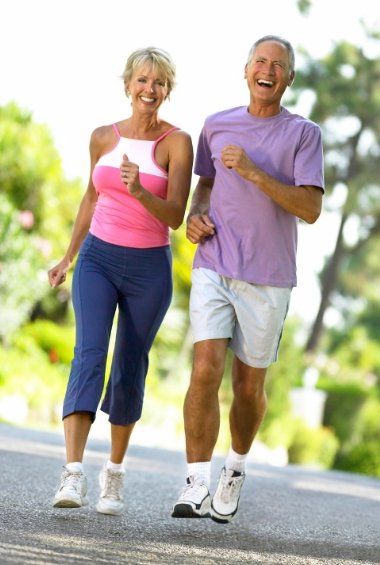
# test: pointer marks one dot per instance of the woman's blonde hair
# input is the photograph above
(159, 59)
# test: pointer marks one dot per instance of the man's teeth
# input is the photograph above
(265, 82)
(147, 99)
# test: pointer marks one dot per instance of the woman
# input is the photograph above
(138, 189)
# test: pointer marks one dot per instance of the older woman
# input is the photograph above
(138, 189)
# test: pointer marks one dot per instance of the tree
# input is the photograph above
(37, 210)
(346, 86)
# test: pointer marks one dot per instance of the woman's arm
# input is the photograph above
(172, 210)
(57, 274)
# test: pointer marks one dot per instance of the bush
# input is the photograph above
(361, 453)
(316, 448)
(342, 408)
(56, 341)
(28, 373)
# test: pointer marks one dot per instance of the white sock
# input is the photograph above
(76, 466)
(114, 466)
(236, 462)
(203, 469)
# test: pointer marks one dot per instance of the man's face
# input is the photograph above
(268, 74)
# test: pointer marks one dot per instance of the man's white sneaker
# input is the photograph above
(226, 499)
(194, 500)
(111, 499)
(72, 491)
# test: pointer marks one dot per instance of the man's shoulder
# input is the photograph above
(223, 115)
(299, 120)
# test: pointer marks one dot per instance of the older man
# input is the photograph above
(260, 168)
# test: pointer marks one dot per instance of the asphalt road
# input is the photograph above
(288, 515)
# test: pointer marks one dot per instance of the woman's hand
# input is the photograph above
(130, 176)
(57, 275)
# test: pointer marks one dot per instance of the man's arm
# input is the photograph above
(303, 201)
(199, 224)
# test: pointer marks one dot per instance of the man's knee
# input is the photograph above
(208, 363)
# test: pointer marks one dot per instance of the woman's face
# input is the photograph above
(148, 90)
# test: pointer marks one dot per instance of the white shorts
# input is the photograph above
(252, 316)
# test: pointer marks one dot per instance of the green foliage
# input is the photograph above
(316, 448)
(25, 370)
(183, 254)
(37, 210)
(342, 408)
(57, 341)
(360, 452)
(282, 376)
(304, 6)
(22, 278)
(346, 89)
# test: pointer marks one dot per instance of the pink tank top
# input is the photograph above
(119, 218)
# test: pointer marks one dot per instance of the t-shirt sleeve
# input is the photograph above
(308, 164)
(204, 165)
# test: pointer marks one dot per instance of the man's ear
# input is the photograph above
(245, 70)
(291, 78)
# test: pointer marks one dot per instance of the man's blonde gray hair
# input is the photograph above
(160, 61)
(288, 46)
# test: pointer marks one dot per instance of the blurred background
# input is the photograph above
(59, 79)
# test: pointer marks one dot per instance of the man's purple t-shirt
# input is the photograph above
(256, 239)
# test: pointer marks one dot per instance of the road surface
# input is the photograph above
(289, 515)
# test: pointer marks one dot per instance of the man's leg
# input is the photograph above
(202, 420)
(248, 406)
(246, 414)
(201, 410)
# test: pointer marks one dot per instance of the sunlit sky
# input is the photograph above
(63, 60)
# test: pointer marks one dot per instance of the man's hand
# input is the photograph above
(198, 227)
(130, 176)
(234, 157)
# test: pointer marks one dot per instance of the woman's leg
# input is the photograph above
(77, 427)
(147, 293)
(120, 436)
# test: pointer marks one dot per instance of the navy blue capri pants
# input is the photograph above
(139, 283)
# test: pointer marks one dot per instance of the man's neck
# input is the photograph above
(262, 111)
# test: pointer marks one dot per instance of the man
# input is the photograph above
(260, 168)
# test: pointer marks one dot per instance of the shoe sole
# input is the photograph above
(109, 511)
(220, 518)
(68, 503)
(187, 511)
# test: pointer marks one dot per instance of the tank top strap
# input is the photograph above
(117, 131)
(163, 135)
(155, 145)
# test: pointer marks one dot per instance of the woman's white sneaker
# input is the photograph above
(226, 499)
(194, 500)
(111, 500)
(72, 490)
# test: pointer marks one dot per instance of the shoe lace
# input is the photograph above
(229, 487)
(193, 488)
(70, 479)
(113, 485)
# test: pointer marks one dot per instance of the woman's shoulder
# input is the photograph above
(103, 133)
(176, 135)
(102, 139)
